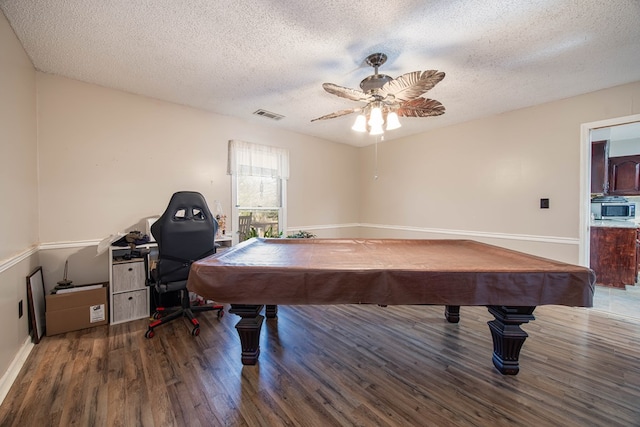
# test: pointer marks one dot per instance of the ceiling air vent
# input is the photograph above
(268, 114)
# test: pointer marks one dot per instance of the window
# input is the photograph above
(259, 176)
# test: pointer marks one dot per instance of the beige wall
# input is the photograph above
(18, 192)
(484, 179)
(110, 159)
(18, 163)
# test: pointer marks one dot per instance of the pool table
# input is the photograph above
(453, 273)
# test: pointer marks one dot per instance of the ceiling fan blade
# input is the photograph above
(411, 85)
(337, 114)
(345, 92)
(420, 107)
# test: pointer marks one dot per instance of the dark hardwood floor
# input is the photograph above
(336, 365)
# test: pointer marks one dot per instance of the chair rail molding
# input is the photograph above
(68, 244)
(479, 234)
(7, 263)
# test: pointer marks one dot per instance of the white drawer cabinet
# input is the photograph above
(129, 295)
(130, 305)
(128, 275)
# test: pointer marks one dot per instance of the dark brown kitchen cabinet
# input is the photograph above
(637, 252)
(614, 255)
(600, 167)
(624, 175)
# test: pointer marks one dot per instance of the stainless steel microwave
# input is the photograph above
(613, 210)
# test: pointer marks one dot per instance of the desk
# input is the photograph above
(452, 273)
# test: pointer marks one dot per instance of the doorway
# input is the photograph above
(613, 300)
(586, 130)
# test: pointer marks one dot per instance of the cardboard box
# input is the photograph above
(79, 309)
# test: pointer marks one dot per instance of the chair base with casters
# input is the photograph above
(185, 233)
(164, 315)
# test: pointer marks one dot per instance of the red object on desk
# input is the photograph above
(452, 273)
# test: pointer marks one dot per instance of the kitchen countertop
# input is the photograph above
(615, 223)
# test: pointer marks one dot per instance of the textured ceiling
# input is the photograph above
(235, 57)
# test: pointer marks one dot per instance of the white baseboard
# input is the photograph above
(14, 369)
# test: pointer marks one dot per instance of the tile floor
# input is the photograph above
(618, 301)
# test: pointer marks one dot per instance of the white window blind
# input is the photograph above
(249, 159)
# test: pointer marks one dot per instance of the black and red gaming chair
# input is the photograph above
(185, 233)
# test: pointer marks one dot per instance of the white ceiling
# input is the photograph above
(235, 57)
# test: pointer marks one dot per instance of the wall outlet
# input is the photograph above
(544, 203)
(20, 309)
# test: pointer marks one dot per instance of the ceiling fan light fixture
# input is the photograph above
(375, 118)
(387, 98)
(361, 123)
(392, 121)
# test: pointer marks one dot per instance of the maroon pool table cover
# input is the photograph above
(387, 272)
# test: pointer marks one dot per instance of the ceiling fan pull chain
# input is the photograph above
(375, 169)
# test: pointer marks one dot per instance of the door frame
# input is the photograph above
(585, 179)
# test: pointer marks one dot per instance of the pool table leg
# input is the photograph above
(271, 311)
(507, 336)
(248, 329)
(452, 313)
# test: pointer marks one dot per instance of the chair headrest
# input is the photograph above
(185, 232)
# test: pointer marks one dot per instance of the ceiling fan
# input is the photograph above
(388, 98)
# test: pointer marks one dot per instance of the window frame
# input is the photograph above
(236, 208)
